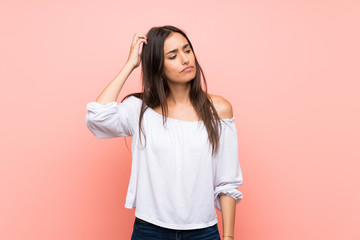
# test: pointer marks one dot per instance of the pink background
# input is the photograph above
(289, 68)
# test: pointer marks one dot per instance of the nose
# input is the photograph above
(184, 58)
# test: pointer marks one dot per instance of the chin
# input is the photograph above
(183, 79)
(192, 76)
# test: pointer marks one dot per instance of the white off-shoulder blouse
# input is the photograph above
(175, 182)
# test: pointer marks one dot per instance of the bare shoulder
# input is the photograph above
(222, 106)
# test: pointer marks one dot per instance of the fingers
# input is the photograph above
(138, 36)
(140, 47)
(141, 44)
(141, 40)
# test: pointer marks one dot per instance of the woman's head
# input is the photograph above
(178, 56)
(167, 53)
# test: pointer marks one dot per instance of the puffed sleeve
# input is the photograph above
(113, 119)
(228, 175)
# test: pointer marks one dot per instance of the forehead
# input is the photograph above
(175, 40)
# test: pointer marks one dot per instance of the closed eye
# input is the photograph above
(173, 57)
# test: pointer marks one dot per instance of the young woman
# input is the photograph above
(184, 141)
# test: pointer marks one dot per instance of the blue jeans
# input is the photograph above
(147, 231)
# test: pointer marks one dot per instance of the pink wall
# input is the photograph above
(289, 68)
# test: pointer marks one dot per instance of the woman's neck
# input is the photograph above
(179, 95)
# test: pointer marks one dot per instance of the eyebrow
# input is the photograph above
(175, 50)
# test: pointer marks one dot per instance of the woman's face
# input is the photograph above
(177, 57)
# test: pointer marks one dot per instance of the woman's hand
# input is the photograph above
(136, 49)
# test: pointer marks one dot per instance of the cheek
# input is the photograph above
(169, 68)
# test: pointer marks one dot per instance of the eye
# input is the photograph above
(173, 57)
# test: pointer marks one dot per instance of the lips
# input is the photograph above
(187, 69)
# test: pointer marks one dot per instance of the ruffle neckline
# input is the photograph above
(228, 120)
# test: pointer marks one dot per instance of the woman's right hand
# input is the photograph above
(136, 49)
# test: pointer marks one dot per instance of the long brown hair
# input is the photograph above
(155, 88)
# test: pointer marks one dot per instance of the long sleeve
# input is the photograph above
(228, 175)
(113, 119)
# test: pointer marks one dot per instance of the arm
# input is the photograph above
(112, 90)
(229, 176)
(228, 211)
(106, 118)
